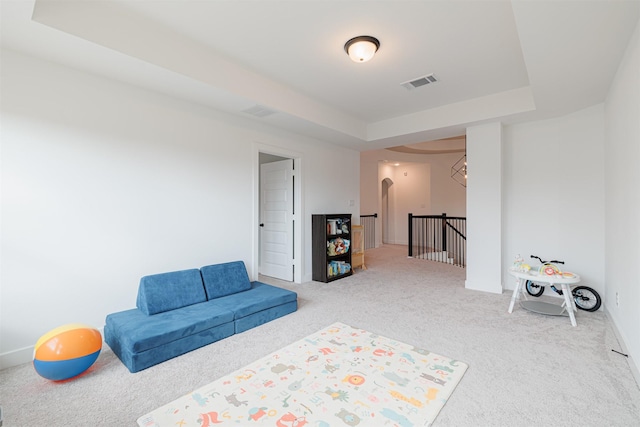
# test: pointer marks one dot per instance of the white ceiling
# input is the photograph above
(495, 60)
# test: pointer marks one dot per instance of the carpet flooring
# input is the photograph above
(525, 369)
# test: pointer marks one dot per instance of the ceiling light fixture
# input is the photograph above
(459, 168)
(361, 48)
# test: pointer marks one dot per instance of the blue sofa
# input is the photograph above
(183, 310)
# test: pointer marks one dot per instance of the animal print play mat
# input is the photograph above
(339, 376)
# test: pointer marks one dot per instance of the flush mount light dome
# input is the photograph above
(361, 48)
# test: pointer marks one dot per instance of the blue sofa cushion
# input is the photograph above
(138, 361)
(137, 332)
(264, 316)
(167, 291)
(260, 297)
(225, 279)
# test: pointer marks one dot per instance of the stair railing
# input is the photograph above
(369, 224)
(438, 238)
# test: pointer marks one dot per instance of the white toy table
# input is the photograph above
(569, 305)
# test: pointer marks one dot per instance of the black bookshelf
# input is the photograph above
(331, 247)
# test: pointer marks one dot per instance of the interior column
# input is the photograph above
(484, 208)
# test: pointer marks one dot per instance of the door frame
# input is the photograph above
(298, 206)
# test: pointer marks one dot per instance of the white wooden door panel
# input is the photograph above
(276, 219)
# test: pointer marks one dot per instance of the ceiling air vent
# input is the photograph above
(259, 111)
(420, 81)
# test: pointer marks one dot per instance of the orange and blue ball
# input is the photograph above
(66, 351)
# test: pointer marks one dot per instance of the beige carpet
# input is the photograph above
(525, 369)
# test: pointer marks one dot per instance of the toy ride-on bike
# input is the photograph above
(585, 297)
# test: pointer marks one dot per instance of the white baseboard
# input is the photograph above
(623, 348)
(25, 355)
(16, 357)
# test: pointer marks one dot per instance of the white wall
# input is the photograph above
(103, 183)
(411, 194)
(554, 194)
(622, 212)
(447, 195)
(369, 186)
(427, 189)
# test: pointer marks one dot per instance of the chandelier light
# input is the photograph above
(361, 48)
(459, 171)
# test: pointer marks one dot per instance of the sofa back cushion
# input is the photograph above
(225, 279)
(167, 291)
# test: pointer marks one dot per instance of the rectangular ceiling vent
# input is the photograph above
(259, 111)
(420, 81)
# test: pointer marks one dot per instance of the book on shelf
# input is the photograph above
(336, 268)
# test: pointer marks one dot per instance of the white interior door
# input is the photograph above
(276, 219)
